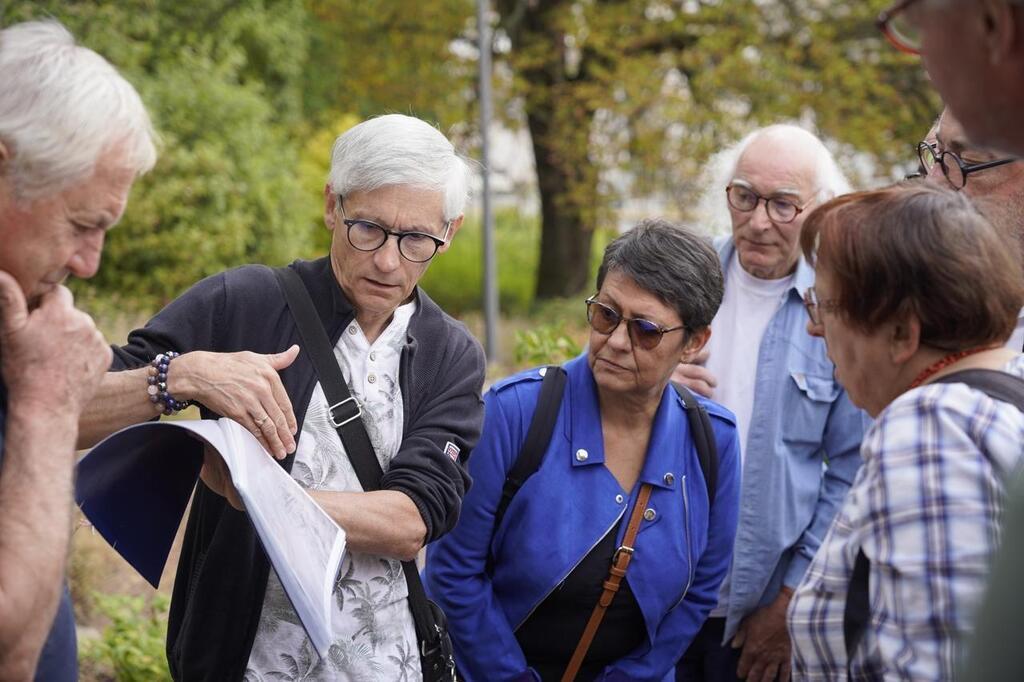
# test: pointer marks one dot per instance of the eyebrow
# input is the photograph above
(371, 218)
(780, 192)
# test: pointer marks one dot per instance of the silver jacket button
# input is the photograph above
(669, 479)
(581, 455)
(649, 514)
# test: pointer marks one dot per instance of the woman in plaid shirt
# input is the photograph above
(912, 284)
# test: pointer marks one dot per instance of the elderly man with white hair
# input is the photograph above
(394, 199)
(799, 433)
(74, 135)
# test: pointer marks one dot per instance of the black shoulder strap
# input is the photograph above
(537, 437)
(346, 417)
(998, 385)
(1001, 386)
(703, 438)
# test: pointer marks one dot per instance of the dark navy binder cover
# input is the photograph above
(134, 488)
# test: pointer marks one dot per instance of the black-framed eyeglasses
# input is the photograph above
(745, 199)
(956, 173)
(643, 333)
(902, 33)
(815, 306)
(366, 235)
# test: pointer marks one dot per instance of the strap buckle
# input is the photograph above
(624, 549)
(338, 423)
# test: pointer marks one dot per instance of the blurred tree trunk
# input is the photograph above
(559, 113)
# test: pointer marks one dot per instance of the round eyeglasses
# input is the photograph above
(898, 29)
(815, 307)
(745, 199)
(366, 235)
(956, 172)
(644, 334)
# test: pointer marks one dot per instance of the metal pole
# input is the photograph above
(491, 310)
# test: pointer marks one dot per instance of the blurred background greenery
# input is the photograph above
(615, 104)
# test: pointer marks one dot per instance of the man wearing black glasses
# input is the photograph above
(974, 53)
(792, 416)
(393, 201)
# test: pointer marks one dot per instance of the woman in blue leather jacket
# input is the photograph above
(518, 596)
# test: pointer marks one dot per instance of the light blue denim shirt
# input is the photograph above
(803, 450)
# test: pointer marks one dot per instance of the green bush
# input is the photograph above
(455, 278)
(547, 344)
(131, 648)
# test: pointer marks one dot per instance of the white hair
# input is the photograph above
(399, 150)
(62, 106)
(712, 211)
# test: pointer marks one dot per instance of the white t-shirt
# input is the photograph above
(374, 634)
(747, 307)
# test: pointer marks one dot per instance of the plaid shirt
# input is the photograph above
(925, 508)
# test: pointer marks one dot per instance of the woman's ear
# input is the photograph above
(904, 338)
(695, 342)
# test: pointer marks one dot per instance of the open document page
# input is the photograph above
(134, 487)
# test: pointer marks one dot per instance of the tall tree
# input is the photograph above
(654, 86)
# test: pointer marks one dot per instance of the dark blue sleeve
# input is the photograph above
(189, 322)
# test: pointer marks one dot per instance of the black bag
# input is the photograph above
(437, 658)
(538, 436)
(1007, 388)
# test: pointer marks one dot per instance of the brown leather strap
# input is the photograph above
(620, 563)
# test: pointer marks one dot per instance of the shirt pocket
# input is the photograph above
(809, 398)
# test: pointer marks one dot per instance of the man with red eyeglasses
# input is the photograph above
(974, 52)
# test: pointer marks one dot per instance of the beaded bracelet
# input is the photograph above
(157, 389)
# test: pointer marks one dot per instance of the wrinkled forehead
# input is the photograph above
(775, 165)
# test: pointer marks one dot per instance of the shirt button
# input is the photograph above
(581, 455)
(352, 330)
(372, 378)
(373, 355)
(618, 499)
(669, 479)
(649, 514)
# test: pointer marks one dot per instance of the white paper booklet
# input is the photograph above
(135, 484)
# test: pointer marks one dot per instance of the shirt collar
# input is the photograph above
(583, 428)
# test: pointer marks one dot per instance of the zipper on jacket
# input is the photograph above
(688, 537)
(572, 568)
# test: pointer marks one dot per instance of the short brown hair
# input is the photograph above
(918, 248)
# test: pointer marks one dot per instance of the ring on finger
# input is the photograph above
(259, 422)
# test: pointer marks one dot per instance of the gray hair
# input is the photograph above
(712, 210)
(399, 150)
(672, 262)
(62, 106)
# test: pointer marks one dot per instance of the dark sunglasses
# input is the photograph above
(644, 334)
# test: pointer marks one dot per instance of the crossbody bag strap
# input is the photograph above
(620, 564)
(345, 414)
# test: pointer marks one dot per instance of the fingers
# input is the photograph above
(746, 661)
(785, 671)
(264, 428)
(284, 359)
(13, 307)
(701, 357)
(217, 477)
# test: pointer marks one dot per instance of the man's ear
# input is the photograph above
(695, 342)
(330, 204)
(904, 338)
(1002, 35)
(452, 229)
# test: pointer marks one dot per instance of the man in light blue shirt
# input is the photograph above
(800, 435)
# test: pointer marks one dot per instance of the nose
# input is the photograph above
(815, 329)
(759, 219)
(619, 338)
(387, 258)
(85, 261)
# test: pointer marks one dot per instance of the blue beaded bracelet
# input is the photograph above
(157, 389)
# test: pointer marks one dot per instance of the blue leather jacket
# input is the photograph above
(803, 450)
(564, 510)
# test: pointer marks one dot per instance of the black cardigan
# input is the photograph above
(222, 573)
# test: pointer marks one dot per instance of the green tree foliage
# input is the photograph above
(221, 80)
(655, 86)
